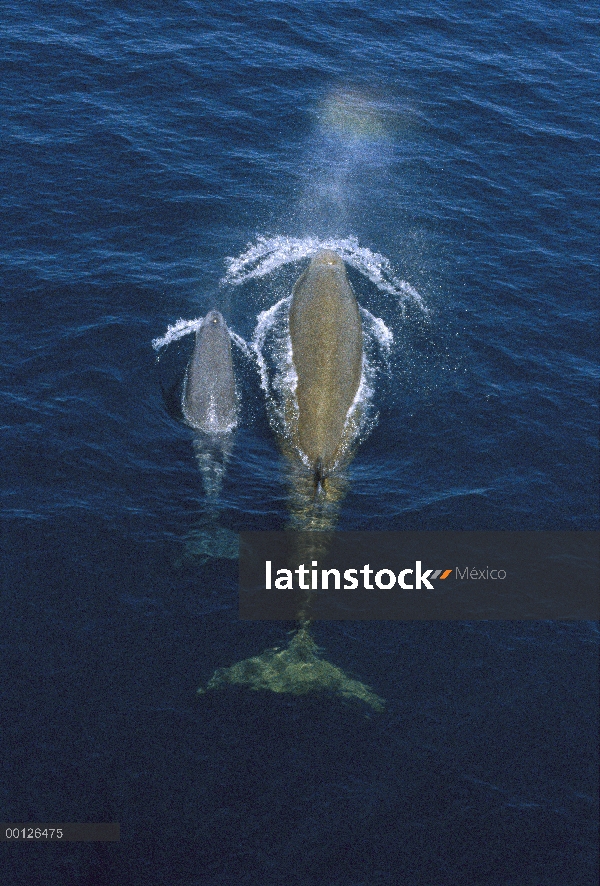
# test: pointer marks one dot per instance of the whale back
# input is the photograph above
(209, 397)
(327, 350)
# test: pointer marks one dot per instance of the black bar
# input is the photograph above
(69, 832)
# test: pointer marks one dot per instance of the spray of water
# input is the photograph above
(178, 330)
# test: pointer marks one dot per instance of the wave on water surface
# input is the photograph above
(269, 254)
(186, 327)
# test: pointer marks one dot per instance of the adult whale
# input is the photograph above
(327, 352)
(209, 401)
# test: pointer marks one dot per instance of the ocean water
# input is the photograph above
(161, 160)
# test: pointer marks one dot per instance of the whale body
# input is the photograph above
(209, 401)
(327, 352)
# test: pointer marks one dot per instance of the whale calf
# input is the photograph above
(209, 402)
(327, 352)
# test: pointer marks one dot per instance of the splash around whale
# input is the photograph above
(269, 254)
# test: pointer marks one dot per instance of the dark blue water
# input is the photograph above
(142, 146)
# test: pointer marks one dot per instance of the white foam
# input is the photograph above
(265, 323)
(181, 328)
(242, 344)
(377, 327)
(186, 327)
(269, 254)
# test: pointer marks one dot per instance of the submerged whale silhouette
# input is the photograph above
(327, 352)
(209, 401)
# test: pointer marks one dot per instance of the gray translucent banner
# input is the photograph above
(419, 575)
(69, 832)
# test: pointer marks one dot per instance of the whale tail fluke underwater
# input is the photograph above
(296, 669)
